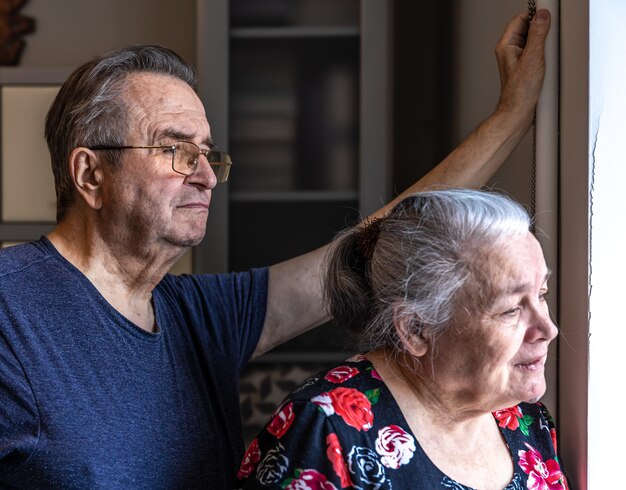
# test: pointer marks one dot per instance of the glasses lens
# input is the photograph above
(185, 157)
(220, 163)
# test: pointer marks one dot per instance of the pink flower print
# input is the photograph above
(375, 375)
(541, 475)
(309, 480)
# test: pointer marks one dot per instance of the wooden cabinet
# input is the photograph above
(298, 92)
(289, 88)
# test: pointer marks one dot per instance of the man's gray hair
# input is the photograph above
(89, 109)
(417, 262)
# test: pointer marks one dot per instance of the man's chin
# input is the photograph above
(192, 242)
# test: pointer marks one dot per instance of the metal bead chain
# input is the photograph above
(532, 10)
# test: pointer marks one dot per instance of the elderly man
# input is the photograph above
(114, 374)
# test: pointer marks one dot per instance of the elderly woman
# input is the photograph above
(449, 293)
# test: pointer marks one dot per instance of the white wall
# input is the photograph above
(607, 157)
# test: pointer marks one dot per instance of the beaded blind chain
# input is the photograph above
(532, 10)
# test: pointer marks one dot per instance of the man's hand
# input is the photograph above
(521, 62)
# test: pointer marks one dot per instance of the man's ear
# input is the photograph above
(411, 331)
(86, 172)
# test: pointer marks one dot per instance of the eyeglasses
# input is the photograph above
(185, 157)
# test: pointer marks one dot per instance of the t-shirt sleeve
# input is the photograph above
(298, 447)
(19, 420)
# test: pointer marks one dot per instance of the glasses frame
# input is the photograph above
(216, 158)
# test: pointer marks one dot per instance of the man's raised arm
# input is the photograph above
(295, 286)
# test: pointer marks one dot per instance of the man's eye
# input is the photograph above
(168, 149)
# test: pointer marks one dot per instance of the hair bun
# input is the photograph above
(368, 236)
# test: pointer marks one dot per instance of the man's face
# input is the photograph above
(146, 203)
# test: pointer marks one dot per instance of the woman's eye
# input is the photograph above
(543, 295)
(511, 312)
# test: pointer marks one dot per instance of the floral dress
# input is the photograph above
(343, 429)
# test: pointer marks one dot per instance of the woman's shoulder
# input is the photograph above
(355, 374)
(538, 411)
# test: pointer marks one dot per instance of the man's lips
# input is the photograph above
(195, 205)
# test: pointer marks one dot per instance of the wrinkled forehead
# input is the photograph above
(160, 104)
(515, 266)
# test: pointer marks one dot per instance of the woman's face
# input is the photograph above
(493, 356)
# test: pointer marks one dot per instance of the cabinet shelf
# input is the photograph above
(293, 32)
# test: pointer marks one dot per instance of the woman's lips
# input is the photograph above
(533, 364)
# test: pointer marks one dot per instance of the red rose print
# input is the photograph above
(353, 407)
(508, 417)
(541, 475)
(335, 456)
(341, 374)
(281, 421)
(375, 375)
(553, 437)
(310, 480)
(395, 446)
(250, 460)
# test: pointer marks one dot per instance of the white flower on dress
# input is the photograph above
(366, 470)
(273, 466)
(395, 446)
(325, 402)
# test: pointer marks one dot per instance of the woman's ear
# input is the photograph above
(411, 332)
(85, 168)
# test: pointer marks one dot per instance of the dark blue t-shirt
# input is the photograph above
(90, 400)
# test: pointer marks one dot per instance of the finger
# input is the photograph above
(511, 44)
(538, 31)
(535, 42)
(515, 31)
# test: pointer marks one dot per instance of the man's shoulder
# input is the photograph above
(18, 258)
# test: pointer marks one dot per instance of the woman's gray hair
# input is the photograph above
(89, 109)
(417, 262)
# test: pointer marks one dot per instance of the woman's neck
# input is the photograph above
(463, 442)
